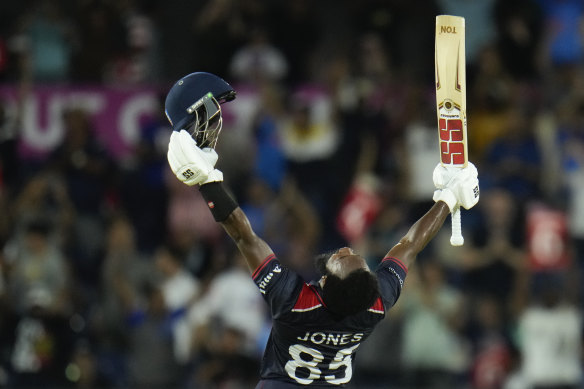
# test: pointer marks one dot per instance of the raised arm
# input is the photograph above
(420, 234)
(454, 188)
(195, 166)
(251, 246)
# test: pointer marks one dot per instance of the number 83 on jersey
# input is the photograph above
(304, 367)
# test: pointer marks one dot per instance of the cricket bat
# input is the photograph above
(450, 67)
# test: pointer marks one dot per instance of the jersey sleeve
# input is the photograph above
(278, 285)
(391, 274)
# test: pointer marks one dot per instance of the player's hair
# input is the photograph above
(352, 294)
(320, 262)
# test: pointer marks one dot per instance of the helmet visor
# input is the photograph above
(207, 125)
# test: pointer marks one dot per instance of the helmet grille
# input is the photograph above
(207, 123)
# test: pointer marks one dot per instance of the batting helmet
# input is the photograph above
(193, 104)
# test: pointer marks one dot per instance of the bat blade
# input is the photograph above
(450, 70)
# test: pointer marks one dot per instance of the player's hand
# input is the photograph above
(189, 163)
(457, 186)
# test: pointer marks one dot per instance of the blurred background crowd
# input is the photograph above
(114, 275)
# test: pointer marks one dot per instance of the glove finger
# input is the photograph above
(173, 139)
(173, 162)
(174, 147)
(189, 148)
(439, 176)
(184, 138)
(178, 158)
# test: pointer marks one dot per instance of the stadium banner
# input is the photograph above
(118, 113)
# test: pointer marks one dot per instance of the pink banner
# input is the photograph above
(117, 115)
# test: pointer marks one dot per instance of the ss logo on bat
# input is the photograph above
(451, 141)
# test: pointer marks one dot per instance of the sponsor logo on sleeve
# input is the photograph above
(401, 281)
(266, 280)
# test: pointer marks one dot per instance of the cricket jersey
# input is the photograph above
(307, 345)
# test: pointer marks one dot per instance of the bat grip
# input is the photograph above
(456, 238)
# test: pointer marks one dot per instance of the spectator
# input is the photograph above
(568, 151)
(435, 355)
(178, 287)
(44, 196)
(270, 161)
(220, 27)
(519, 34)
(142, 183)
(43, 342)
(298, 48)
(491, 89)
(50, 41)
(493, 257)
(151, 362)
(492, 352)
(86, 168)
(123, 273)
(550, 336)
(225, 328)
(562, 37)
(513, 161)
(309, 140)
(38, 263)
(139, 62)
(286, 218)
(388, 226)
(199, 244)
(368, 96)
(101, 34)
(258, 61)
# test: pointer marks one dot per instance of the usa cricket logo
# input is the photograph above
(451, 134)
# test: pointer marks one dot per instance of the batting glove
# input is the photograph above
(457, 186)
(189, 163)
(442, 175)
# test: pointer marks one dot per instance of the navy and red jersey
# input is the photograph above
(307, 345)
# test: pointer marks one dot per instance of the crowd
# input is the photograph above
(114, 275)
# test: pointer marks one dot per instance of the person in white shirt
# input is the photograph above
(550, 334)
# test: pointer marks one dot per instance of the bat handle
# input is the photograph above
(456, 238)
